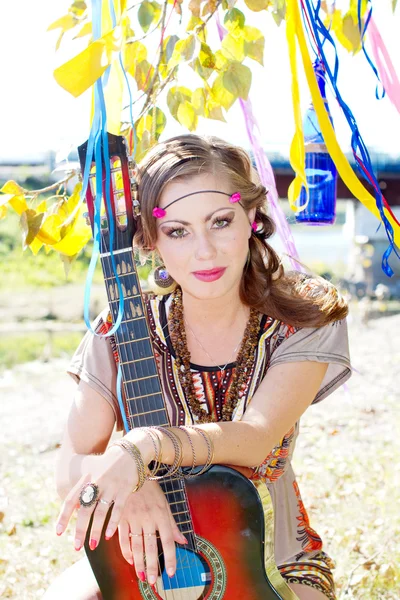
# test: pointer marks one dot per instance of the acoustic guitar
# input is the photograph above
(227, 519)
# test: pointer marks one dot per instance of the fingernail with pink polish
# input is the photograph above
(78, 544)
(92, 544)
(59, 529)
(108, 534)
(170, 572)
(142, 576)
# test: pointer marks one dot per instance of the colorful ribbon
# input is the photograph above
(374, 205)
(386, 70)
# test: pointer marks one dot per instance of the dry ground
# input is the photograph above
(347, 462)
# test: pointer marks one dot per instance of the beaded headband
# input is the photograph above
(159, 213)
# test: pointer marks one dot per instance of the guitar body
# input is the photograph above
(228, 519)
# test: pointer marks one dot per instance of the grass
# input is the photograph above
(17, 349)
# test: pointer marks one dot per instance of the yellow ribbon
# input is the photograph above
(342, 164)
(297, 151)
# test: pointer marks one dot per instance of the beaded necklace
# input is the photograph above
(244, 361)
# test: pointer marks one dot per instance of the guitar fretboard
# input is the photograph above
(144, 399)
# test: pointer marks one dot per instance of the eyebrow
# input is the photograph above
(206, 218)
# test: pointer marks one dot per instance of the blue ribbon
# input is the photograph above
(98, 142)
(363, 30)
(357, 142)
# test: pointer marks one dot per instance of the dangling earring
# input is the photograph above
(159, 280)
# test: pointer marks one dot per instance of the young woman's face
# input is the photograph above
(204, 239)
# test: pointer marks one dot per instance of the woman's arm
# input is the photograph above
(282, 397)
(88, 430)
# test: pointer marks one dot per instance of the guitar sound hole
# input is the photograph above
(198, 576)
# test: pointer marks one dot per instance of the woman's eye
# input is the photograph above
(221, 223)
(176, 233)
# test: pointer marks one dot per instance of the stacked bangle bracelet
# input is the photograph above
(169, 470)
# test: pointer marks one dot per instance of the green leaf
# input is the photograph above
(221, 62)
(135, 52)
(176, 95)
(169, 46)
(183, 51)
(85, 30)
(66, 22)
(199, 99)
(144, 73)
(146, 14)
(234, 19)
(351, 32)
(213, 110)
(148, 129)
(279, 11)
(30, 222)
(221, 95)
(254, 44)
(187, 116)
(237, 80)
(203, 72)
(194, 22)
(233, 46)
(257, 5)
(394, 4)
(206, 57)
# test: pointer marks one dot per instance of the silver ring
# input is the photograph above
(135, 534)
(89, 494)
(102, 501)
(149, 534)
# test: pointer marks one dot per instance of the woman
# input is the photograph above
(243, 349)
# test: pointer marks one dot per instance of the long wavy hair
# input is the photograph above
(295, 298)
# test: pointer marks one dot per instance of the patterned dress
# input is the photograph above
(298, 548)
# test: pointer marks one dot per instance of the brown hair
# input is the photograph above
(294, 298)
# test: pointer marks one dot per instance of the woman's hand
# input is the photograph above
(116, 476)
(146, 512)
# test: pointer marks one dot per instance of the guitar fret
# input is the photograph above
(147, 412)
(184, 522)
(173, 491)
(141, 379)
(132, 341)
(178, 502)
(129, 249)
(182, 512)
(120, 276)
(127, 297)
(129, 362)
(144, 396)
(132, 320)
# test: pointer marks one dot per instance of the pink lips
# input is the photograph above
(210, 275)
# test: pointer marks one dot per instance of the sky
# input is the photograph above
(36, 115)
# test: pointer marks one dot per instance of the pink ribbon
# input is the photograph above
(386, 70)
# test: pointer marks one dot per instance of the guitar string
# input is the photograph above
(146, 372)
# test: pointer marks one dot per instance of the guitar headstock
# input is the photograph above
(124, 206)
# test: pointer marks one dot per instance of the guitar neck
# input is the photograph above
(144, 400)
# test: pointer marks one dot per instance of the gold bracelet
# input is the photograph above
(177, 444)
(191, 473)
(137, 457)
(157, 453)
(210, 448)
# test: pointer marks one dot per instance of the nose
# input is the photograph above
(205, 249)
